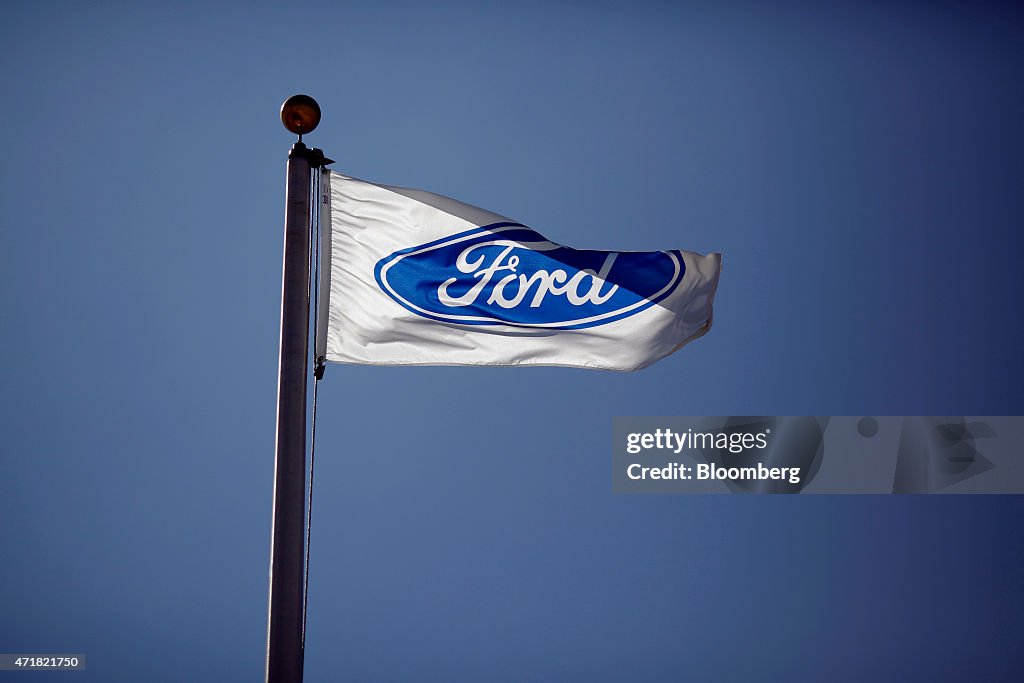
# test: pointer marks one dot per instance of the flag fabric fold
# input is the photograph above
(413, 278)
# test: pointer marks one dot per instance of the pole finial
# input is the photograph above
(300, 114)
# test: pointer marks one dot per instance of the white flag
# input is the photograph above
(414, 278)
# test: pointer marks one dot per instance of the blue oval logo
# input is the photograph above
(508, 274)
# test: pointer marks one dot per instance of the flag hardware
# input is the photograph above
(315, 156)
(286, 614)
(300, 114)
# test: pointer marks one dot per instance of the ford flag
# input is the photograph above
(414, 278)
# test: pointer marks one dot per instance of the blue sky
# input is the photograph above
(859, 166)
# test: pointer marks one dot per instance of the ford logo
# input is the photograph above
(508, 274)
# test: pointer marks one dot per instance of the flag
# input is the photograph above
(413, 278)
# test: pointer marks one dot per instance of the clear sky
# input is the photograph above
(859, 166)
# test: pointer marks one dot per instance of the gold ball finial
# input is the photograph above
(300, 114)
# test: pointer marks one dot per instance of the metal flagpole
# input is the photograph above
(300, 114)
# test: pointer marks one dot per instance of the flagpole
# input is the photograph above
(300, 114)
